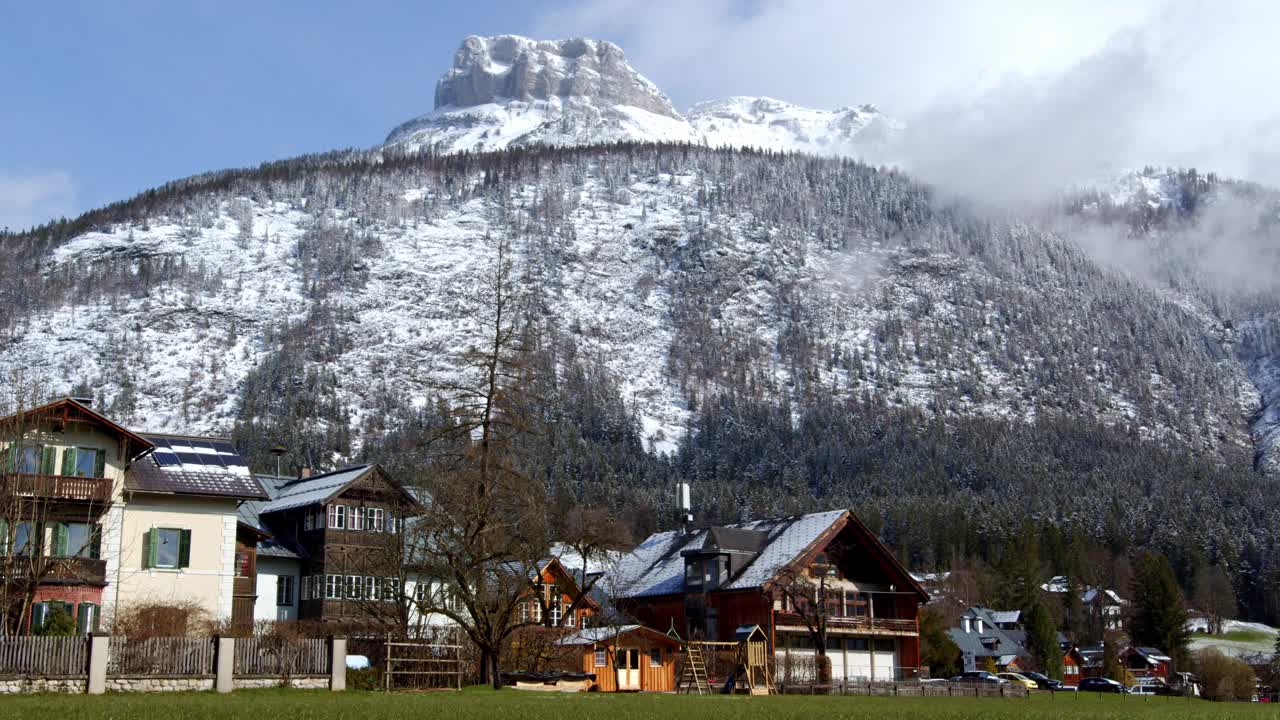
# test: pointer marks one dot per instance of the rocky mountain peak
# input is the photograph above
(510, 67)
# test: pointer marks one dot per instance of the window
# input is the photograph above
(22, 534)
(655, 657)
(167, 548)
(882, 645)
(356, 514)
(569, 620)
(375, 519)
(333, 516)
(601, 657)
(353, 587)
(84, 462)
(86, 618)
(371, 588)
(535, 611)
(307, 521)
(284, 590)
(244, 563)
(32, 459)
(693, 572)
(339, 521)
(586, 620)
(391, 588)
(390, 522)
(331, 587)
(557, 607)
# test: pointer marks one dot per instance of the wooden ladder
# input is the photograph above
(694, 676)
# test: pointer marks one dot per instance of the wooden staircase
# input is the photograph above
(694, 676)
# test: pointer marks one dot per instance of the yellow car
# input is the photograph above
(1017, 679)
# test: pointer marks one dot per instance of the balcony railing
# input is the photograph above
(58, 487)
(859, 623)
(46, 569)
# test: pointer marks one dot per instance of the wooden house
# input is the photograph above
(1073, 665)
(556, 589)
(1146, 662)
(704, 584)
(341, 533)
(625, 657)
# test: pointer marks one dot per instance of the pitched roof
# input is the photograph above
(602, 633)
(315, 489)
(1006, 617)
(70, 409)
(280, 545)
(992, 642)
(192, 465)
(655, 567)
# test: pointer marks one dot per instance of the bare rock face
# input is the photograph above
(509, 67)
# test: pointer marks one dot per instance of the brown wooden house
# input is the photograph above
(706, 583)
(345, 528)
(556, 589)
(626, 657)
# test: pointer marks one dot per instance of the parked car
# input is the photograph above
(1018, 679)
(1104, 685)
(978, 676)
(1045, 682)
(1146, 689)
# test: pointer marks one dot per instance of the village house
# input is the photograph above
(335, 548)
(64, 471)
(705, 584)
(112, 519)
(1107, 605)
(1146, 662)
(1073, 665)
(625, 657)
(990, 639)
(555, 588)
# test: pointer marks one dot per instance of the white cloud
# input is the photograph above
(1004, 96)
(28, 199)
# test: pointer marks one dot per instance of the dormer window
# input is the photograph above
(693, 572)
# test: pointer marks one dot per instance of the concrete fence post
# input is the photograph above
(224, 665)
(338, 663)
(99, 653)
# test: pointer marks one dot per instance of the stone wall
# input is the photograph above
(303, 682)
(153, 683)
(10, 686)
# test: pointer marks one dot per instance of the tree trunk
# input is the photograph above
(494, 675)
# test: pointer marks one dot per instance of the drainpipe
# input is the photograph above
(115, 605)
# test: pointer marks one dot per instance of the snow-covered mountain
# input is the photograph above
(510, 91)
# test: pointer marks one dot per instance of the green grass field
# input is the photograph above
(518, 705)
(1243, 636)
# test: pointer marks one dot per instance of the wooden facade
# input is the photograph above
(636, 659)
(556, 589)
(244, 586)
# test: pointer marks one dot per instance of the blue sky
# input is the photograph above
(101, 100)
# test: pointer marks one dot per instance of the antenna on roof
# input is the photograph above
(684, 510)
(278, 451)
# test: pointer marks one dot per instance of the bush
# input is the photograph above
(150, 620)
(365, 679)
(1224, 678)
(58, 623)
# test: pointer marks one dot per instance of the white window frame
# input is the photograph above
(601, 657)
(353, 586)
(371, 588)
(655, 663)
(375, 519)
(355, 517)
(331, 590)
(284, 590)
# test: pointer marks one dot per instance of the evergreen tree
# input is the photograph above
(1159, 616)
(1042, 641)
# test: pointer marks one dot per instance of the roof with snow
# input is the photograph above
(655, 567)
(314, 490)
(991, 641)
(192, 465)
(1006, 617)
(279, 544)
(604, 633)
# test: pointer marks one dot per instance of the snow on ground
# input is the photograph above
(1234, 648)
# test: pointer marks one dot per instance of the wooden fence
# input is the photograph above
(44, 656)
(281, 656)
(918, 689)
(161, 656)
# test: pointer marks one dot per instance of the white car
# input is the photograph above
(1144, 689)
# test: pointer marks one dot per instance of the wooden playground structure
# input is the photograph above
(750, 672)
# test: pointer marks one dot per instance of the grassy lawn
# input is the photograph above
(517, 705)
(1244, 636)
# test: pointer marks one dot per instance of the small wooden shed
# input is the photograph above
(627, 657)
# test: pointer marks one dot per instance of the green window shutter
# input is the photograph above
(184, 549)
(39, 612)
(95, 543)
(61, 535)
(148, 550)
(13, 453)
(48, 458)
(69, 461)
(83, 618)
(100, 463)
(4, 536)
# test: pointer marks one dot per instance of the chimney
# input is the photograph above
(304, 473)
(85, 401)
(978, 622)
(964, 623)
(683, 507)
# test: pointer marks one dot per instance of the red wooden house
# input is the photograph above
(1073, 665)
(556, 588)
(1145, 662)
(707, 583)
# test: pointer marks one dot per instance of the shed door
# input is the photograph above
(628, 664)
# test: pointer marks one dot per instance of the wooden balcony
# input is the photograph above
(57, 487)
(60, 570)
(861, 625)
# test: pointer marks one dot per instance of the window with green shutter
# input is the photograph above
(86, 618)
(39, 614)
(168, 548)
(68, 461)
(48, 460)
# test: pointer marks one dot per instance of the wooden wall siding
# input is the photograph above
(748, 607)
(652, 679)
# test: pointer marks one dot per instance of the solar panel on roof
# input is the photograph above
(189, 458)
(211, 459)
(165, 457)
(225, 448)
(159, 441)
(202, 444)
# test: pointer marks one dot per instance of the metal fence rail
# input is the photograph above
(44, 656)
(161, 656)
